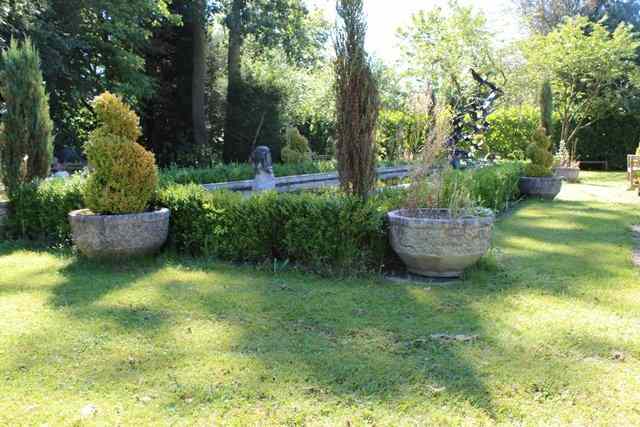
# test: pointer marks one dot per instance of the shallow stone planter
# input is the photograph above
(119, 236)
(543, 187)
(568, 174)
(432, 243)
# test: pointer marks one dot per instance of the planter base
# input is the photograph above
(119, 236)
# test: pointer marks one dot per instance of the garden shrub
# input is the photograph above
(321, 231)
(124, 176)
(400, 134)
(326, 232)
(540, 155)
(510, 131)
(38, 210)
(27, 141)
(297, 148)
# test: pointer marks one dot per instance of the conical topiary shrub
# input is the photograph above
(124, 176)
(297, 148)
(538, 151)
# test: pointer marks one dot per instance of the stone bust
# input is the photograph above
(263, 167)
(262, 162)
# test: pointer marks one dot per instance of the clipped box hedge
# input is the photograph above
(322, 231)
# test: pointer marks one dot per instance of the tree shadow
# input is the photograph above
(87, 282)
(354, 340)
(374, 342)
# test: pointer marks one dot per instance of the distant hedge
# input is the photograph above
(610, 139)
(325, 232)
(238, 172)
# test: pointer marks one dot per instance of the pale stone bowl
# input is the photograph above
(569, 174)
(432, 243)
(119, 236)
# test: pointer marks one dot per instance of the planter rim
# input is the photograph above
(542, 178)
(403, 216)
(85, 215)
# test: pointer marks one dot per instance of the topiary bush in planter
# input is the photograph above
(118, 191)
(124, 175)
(539, 180)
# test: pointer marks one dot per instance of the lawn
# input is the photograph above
(174, 341)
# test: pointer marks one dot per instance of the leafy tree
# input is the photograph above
(543, 16)
(174, 119)
(26, 149)
(284, 23)
(357, 102)
(87, 47)
(441, 45)
(591, 71)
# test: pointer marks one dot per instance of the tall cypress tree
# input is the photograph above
(27, 138)
(546, 108)
(357, 102)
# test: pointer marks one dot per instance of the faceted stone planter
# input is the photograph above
(568, 174)
(543, 187)
(119, 236)
(431, 243)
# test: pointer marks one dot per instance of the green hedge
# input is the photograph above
(238, 172)
(327, 231)
(38, 211)
(510, 131)
(609, 139)
(320, 231)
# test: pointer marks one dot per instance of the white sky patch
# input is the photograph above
(386, 16)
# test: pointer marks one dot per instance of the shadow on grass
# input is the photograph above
(352, 340)
(87, 282)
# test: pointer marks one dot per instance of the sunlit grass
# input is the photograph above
(174, 341)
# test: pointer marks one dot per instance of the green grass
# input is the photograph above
(174, 341)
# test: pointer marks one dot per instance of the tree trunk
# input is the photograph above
(198, 108)
(235, 149)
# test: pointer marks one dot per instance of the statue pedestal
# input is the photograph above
(264, 181)
(263, 166)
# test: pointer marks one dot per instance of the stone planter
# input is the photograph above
(543, 187)
(568, 174)
(432, 243)
(119, 236)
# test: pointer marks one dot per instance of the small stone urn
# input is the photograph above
(119, 236)
(569, 174)
(433, 243)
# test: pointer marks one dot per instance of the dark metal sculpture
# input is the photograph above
(470, 121)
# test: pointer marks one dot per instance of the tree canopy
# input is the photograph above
(591, 70)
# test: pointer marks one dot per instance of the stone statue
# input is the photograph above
(263, 167)
(472, 121)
